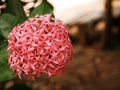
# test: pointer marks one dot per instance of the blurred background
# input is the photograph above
(94, 29)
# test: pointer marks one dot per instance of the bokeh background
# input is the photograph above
(94, 29)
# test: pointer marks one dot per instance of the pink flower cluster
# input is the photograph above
(39, 45)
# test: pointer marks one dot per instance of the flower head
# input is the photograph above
(39, 45)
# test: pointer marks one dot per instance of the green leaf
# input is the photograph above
(5, 72)
(1, 38)
(43, 8)
(15, 7)
(7, 22)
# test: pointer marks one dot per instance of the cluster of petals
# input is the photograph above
(39, 45)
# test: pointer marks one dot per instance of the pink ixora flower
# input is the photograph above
(39, 45)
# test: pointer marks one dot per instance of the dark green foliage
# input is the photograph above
(5, 72)
(15, 7)
(43, 8)
(7, 22)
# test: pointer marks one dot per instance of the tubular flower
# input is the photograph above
(39, 45)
